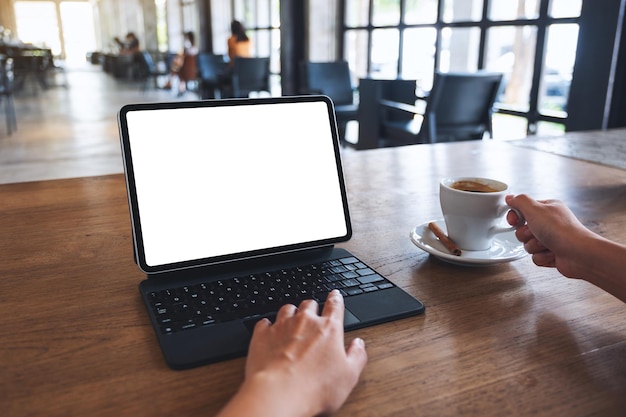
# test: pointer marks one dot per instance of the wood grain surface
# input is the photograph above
(510, 339)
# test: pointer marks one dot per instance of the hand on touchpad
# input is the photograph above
(348, 319)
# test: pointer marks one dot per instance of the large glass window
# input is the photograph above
(262, 21)
(565, 8)
(322, 30)
(556, 76)
(37, 23)
(161, 25)
(514, 9)
(386, 12)
(258, 17)
(411, 39)
(462, 10)
(420, 12)
(511, 51)
(385, 55)
(459, 49)
(356, 47)
(418, 55)
(79, 33)
(65, 27)
(357, 13)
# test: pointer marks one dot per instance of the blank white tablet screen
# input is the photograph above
(213, 181)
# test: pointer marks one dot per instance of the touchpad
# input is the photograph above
(348, 319)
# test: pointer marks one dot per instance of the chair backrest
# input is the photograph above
(210, 67)
(147, 65)
(460, 106)
(250, 74)
(329, 78)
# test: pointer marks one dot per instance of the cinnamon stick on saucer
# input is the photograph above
(443, 238)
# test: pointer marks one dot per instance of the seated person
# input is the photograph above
(130, 44)
(184, 64)
(239, 43)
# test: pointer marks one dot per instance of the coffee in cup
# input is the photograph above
(474, 186)
(474, 210)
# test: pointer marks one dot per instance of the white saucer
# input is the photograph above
(505, 248)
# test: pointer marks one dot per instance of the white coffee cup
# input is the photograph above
(473, 218)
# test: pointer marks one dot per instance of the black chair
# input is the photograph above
(250, 75)
(211, 72)
(333, 80)
(148, 70)
(459, 107)
(6, 92)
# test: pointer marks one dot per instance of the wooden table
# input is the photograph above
(511, 339)
(606, 147)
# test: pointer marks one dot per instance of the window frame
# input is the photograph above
(542, 22)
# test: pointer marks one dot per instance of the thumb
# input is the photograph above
(522, 202)
(357, 356)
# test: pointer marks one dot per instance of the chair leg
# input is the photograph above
(6, 115)
(11, 119)
(13, 115)
(207, 91)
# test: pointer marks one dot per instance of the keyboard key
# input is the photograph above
(350, 283)
(350, 260)
(370, 278)
(335, 277)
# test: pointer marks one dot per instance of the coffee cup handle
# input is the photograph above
(521, 220)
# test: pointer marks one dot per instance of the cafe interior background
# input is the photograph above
(564, 62)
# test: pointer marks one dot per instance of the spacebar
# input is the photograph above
(264, 309)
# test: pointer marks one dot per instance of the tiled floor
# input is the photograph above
(69, 131)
